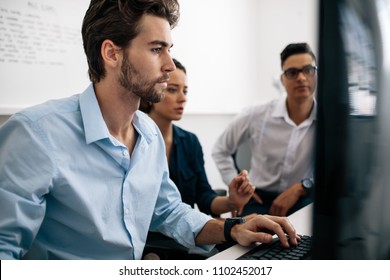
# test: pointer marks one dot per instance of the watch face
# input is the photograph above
(307, 183)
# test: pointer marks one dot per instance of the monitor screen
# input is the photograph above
(351, 218)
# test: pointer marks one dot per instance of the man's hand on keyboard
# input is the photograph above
(261, 229)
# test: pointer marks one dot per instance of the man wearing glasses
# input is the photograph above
(281, 137)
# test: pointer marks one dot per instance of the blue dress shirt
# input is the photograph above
(70, 190)
(186, 169)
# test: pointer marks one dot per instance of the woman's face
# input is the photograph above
(171, 107)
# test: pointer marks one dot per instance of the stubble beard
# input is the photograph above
(134, 82)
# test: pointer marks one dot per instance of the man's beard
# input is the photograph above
(133, 81)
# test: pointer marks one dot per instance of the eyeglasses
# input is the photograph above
(292, 73)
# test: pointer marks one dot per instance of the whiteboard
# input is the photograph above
(230, 49)
(41, 53)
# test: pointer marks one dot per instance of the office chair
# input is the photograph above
(161, 247)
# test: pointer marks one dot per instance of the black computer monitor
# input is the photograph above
(351, 218)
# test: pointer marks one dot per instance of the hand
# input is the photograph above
(240, 191)
(258, 229)
(250, 216)
(286, 200)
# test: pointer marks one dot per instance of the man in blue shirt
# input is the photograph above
(86, 177)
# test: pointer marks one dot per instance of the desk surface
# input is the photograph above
(301, 220)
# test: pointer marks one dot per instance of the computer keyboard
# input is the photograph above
(275, 251)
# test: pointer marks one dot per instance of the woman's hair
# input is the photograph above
(146, 106)
(118, 21)
(179, 65)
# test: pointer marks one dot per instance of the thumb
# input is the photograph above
(240, 210)
(244, 172)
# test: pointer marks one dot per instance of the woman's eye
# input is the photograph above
(171, 90)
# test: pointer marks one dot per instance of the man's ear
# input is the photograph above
(281, 79)
(110, 53)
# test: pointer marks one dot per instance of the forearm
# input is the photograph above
(298, 190)
(222, 204)
(211, 233)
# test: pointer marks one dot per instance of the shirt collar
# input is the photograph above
(94, 125)
(280, 110)
(177, 133)
(145, 126)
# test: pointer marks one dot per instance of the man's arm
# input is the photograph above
(287, 199)
(255, 230)
(24, 169)
(226, 145)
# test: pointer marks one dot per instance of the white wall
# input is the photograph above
(231, 48)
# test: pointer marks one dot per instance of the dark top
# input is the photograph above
(186, 169)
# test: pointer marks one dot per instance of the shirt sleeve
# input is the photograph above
(25, 175)
(176, 219)
(227, 143)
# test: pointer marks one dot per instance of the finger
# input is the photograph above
(282, 212)
(241, 177)
(257, 198)
(283, 238)
(246, 187)
(269, 227)
(252, 189)
(263, 237)
(274, 210)
(285, 230)
(249, 189)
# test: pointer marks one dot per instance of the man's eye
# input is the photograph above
(157, 50)
(292, 72)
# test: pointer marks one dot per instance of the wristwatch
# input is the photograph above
(229, 223)
(307, 184)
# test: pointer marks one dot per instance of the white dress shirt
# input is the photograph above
(281, 150)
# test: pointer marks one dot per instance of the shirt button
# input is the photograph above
(125, 153)
(126, 211)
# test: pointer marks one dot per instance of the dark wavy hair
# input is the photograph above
(295, 48)
(118, 21)
(146, 106)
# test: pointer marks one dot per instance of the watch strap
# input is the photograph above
(229, 223)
